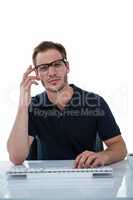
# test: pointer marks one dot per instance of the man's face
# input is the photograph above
(53, 76)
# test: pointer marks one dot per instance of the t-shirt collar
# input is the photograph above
(48, 103)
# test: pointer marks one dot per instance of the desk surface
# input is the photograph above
(117, 187)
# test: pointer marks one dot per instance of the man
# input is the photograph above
(65, 118)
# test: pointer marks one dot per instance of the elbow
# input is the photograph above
(16, 161)
(124, 151)
(14, 157)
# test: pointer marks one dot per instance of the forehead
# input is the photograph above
(48, 56)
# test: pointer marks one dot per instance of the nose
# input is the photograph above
(51, 71)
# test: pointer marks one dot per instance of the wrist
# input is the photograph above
(23, 108)
(105, 157)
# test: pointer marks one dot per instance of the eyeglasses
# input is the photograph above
(43, 68)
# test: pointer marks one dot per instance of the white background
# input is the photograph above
(98, 36)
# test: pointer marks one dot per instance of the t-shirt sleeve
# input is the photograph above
(106, 124)
(31, 121)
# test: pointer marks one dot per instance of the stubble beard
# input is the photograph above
(65, 82)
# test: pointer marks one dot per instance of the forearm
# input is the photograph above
(17, 144)
(114, 152)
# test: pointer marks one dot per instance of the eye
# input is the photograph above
(43, 68)
(58, 63)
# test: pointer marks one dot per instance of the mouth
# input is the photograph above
(54, 81)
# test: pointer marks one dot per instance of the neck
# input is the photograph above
(62, 97)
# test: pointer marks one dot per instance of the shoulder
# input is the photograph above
(90, 98)
(85, 92)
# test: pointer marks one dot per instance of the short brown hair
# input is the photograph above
(46, 45)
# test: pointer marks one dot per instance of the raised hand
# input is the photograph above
(25, 87)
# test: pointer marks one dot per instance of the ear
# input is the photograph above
(67, 67)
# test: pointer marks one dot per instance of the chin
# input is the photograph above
(52, 88)
(55, 88)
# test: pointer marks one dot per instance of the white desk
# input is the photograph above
(120, 186)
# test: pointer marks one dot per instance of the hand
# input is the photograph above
(25, 87)
(89, 159)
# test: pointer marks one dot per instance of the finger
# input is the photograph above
(77, 160)
(24, 83)
(89, 161)
(97, 163)
(28, 71)
(30, 83)
(81, 163)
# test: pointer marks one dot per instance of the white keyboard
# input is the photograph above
(39, 172)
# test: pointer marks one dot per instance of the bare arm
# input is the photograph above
(116, 151)
(19, 142)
